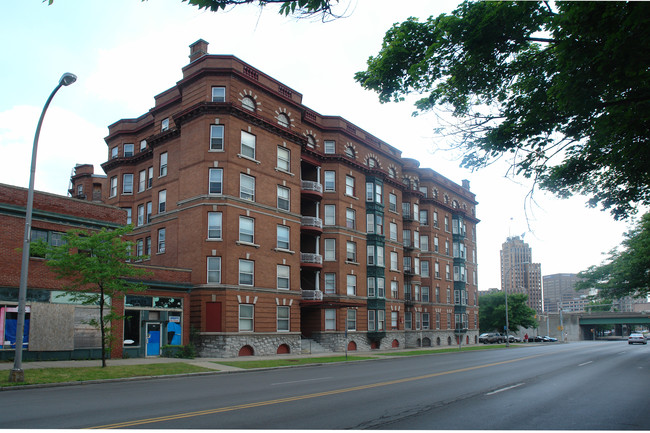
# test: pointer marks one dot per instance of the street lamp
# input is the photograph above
(16, 374)
(505, 290)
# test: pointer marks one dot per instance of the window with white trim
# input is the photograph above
(283, 241)
(330, 249)
(283, 277)
(113, 190)
(330, 282)
(215, 181)
(392, 202)
(351, 252)
(392, 231)
(246, 187)
(148, 212)
(425, 321)
(394, 289)
(329, 214)
(248, 103)
(283, 318)
(424, 242)
(350, 218)
(394, 319)
(214, 270)
(246, 230)
(216, 137)
(330, 181)
(246, 317)
(371, 320)
(330, 319)
(284, 159)
(214, 225)
(248, 145)
(128, 149)
(349, 186)
(329, 146)
(284, 201)
(351, 324)
(218, 94)
(408, 320)
(394, 261)
(140, 220)
(246, 272)
(161, 240)
(163, 164)
(164, 125)
(283, 120)
(162, 201)
(424, 269)
(351, 285)
(142, 183)
(150, 177)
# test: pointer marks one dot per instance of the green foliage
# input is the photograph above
(625, 272)
(492, 312)
(95, 269)
(187, 351)
(565, 93)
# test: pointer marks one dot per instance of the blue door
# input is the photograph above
(153, 339)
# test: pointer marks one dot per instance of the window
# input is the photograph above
(283, 120)
(447, 272)
(162, 201)
(248, 103)
(425, 294)
(330, 181)
(246, 230)
(371, 320)
(416, 212)
(425, 320)
(448, 295)
(392, 230)
(330, 249)
(350, 218)
(435, 219)
(246, 187)
(147, 245)
(371, 162)
(447, 247)
(142, 183)
(128, 214)
(143, 145)
(163, 164)
(394, 289)
(375, 223)
(284, 202)
(164, 125)
(352, 285)
(311, 141)
(283, 237)
(406, 238)
(424, 217)
(128, 149)
(408, 320)
(215, 181)
(330, 282)
(352, 320)
(127, 183)
(436, 245)
(380, 256)
(424, 269)
(416, 239)
(446, 224)
(150, 180)
(161, 241)
(247, 145)
(114, 152)
(284, 159)
(374, 192)
(394, 261)
(370, 254)
(149, 212)
(218, 94)
(214, 225)
(392, 202)
(283, 277)
(392, 173)
(216, 137)
(424, 242)
(349, 186)
(372, 290)
(283, 318)
(329, 211)
(246, 271)
(417, 320)
(330, 319)
(437, 320)
(140, 220)
(113, 191)
(330, 146)
(351, 252)
(214, 270)
(381, 320)
(448, 320)
(381, 287)
(246, 313)
(393, 319)
(349, 152)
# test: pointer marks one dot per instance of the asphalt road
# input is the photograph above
(584, 386)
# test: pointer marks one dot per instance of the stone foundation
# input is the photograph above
(231, 345)
(337, 342)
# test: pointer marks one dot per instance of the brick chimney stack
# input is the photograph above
(198, 49)
(466, 184)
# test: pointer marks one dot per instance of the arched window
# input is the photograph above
(283, 120)
(349, 151)
(311, 141)
(371, 162)
(248, 103)
(391, 172)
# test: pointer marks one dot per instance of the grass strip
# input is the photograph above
(74, 374)
(295, 361)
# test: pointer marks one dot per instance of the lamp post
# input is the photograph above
(16, 374)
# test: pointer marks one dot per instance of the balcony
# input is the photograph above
(311, 189)
(312, 295)
(311, 224)
(311, 260)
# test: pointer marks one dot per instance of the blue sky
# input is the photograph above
(127, 51)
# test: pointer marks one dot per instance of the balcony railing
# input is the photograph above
(310, 221)
(311, 258)
(308, 185)
(312, 295)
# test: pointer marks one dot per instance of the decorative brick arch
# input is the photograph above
(246, 351)
(352, 346)
(283, 348)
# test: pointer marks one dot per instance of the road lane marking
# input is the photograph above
(304, 380)
(585, 363)
(504, 389)
(304, 397)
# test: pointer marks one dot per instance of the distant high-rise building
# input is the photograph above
(559, 292)
(519, 274)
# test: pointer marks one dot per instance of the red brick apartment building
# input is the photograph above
(295, 225)
(58, 328)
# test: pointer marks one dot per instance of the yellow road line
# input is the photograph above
(302, 397)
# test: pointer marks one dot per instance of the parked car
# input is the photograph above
(536, 339)
(490, 337)
(514, 339)
(548, 339)
(636, 338)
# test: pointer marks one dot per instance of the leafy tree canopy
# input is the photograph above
(95, 269)
(564, 90)
(626, 272)
(492, 312)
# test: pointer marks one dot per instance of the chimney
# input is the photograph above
(466, 184)
(198, 49)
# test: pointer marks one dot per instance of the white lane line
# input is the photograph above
(298, 381)
(585, 363)
(504, 389)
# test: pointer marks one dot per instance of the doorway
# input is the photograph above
(154, 338)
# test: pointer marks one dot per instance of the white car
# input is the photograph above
(636, 338)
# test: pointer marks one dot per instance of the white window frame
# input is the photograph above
(246, 192)
(350, 188)
(351, 320)
(329, 146)
(215, 181)
(213, 266)
(163, 165)
(283, 198)
(283, 237)
(246, 230)
(329, 214)
(162, 201)
(283, 274)
(218, 94)
(246, 268)
(217, 138)
(248, 146)
(330, 282)
(283, 162)
(283, 315)
(113, 188)
(329, 247)
(246, 317)
(329, 184)
(351, 285)
(162, 234)
(129, 150)
(215, 225)
(330, 322)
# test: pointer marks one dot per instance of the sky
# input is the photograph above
(125, 52)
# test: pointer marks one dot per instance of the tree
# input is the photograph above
(96, 270)
(305, 8)
(564, 93)
(626, 272)
(492, 312)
